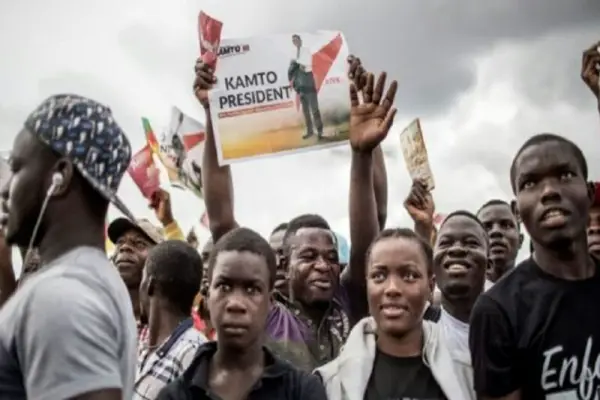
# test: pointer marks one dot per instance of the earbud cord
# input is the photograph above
(38, 223)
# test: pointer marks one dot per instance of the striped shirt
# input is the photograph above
(157, 369)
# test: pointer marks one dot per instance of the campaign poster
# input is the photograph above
(192, 136)
(280, 94)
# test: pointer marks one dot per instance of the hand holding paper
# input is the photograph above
(209, 32)
(160, 202)
(205, 79)
(590, 69)
(419, 203)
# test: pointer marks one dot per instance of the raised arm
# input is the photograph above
(218, 185)
(380, 186)
(420, 207)
(590, 70)
(370, 121)
(358, 75)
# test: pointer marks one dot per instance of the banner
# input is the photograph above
(204, 221)
(209, 34)
(180, 150)
(415, 154)
(280, 94)
(144, 173)
(193, 136)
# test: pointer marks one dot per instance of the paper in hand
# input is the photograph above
(415, 154)
(209, 34)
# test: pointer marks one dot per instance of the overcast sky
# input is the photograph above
(482, 77)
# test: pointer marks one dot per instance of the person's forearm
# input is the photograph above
(173, 232)
(218, 187)
(380, 186)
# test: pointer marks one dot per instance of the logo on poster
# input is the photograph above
(233, 50)
(572, 372)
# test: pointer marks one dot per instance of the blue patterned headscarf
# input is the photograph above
(86, 132)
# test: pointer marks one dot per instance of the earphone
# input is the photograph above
(57, 180)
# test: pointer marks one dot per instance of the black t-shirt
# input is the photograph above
(535, 332)
(402, 378)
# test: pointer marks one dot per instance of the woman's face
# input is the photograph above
(398, 284)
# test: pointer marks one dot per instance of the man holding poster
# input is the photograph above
(303, 82)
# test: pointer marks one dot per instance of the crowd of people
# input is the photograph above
(410, 313)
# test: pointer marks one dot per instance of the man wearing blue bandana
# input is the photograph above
(69, 330)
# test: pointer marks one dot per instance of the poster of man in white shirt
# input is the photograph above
(303, 82)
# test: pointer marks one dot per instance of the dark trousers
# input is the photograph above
(310, 104)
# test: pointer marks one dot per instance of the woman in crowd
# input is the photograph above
(394, 354)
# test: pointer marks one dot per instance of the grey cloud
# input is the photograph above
(427, 46)
(12, 121)
(547, 75)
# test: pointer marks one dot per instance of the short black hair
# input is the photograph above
(499, 202)
(464, 213)
(305, 221)
(281, 227)
(405, 233)
(244, 240)
(296, 36)
(494, 202)
(177, 270)
(545, 138)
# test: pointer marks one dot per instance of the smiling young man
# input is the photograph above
(241, 274)
(460, 260)
(502, 227)
(534, 335)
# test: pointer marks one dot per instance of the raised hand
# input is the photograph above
(589, 68)
(419, 203)
(371, 118)
(161, 204)
(204, 81)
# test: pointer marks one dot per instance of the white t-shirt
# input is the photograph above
(456, 333)
(304, 58)
(68, 330)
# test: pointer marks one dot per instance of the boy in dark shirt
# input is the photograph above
(534, 335)
(241, 275)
